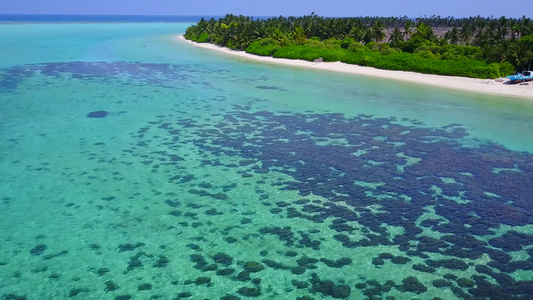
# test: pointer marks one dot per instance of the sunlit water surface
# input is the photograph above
(135, 166)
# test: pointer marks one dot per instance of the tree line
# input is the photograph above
(501, 45)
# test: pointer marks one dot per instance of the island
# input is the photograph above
(469, 57)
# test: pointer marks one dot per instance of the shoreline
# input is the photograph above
(483, 86)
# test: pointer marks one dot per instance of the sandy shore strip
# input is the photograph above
(486, 86)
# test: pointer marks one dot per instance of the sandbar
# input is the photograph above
(499, 87)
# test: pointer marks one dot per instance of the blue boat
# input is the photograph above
(521, 77)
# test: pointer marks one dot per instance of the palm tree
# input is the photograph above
(525, 26)
(376, 31)
(407, 30)
(360, 33)
(298, 35)
(279, 36)
(424, 31)
(452, 36)
(466, 33)
(526, 45)
(396, 37)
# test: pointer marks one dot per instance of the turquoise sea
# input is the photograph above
(136, 166)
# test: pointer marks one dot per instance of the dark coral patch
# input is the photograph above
(243, 276)
(229, 297)
(253, 266)
(38, 250)
(249, 291)
(400, 260)
(184, 295)
(161, 262)
(298, 270)
(144, 287)
(423, 268)
(110, 286)
(376, 154)
(14, 297)
(129, 247)
(299, 284)
(102, 271)
(75, 292)
(276, 265)
(202, 280)
(452, 263)
(441, 283)
(223, 258)
(97, 114)
(291, 253)
(329, 288)
(225, 272)
(411, 284)
(337, 263)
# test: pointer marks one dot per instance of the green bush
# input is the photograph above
(332, 43)
(374, 46)
(506, 68)
(190, 33)
(231, 44)
(415, 43)
(367, 61)
(314, 43)
(457, 52)
(451, 54)
(300, 52)
(389, 51)
(471, 52)
(191, 36)
(356, 47)
(346, 42)
(426, 54)
(334, 55)
(203, 38)
(390, 59)
(263, 47)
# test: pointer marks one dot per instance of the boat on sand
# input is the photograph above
(521, 77)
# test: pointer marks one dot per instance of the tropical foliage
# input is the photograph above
(473, 47)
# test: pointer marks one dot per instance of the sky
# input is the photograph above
(328, 8)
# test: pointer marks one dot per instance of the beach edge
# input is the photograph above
(483, 86)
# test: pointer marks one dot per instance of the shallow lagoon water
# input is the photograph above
(212, 177)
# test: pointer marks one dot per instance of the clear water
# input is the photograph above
(135, 166)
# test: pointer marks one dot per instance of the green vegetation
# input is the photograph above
(474, 47)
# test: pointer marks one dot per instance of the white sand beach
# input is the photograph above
(486, 86)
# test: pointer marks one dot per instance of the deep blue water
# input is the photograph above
(101, 18)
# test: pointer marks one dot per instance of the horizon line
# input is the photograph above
(262, 17)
